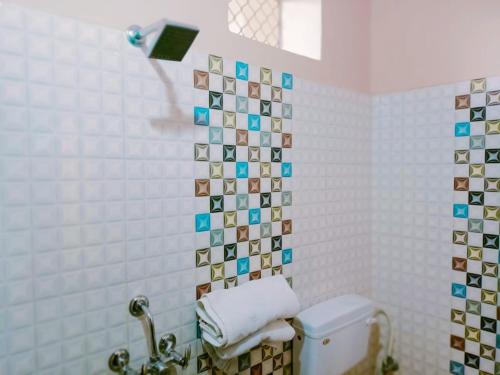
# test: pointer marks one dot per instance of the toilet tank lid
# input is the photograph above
(333, 314)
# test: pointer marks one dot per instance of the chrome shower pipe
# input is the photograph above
(139, 307)
(136, 35)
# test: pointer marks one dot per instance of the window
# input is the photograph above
(292, 25)
(256, 19)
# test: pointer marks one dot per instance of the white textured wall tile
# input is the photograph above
(331, 192)
(411, 222)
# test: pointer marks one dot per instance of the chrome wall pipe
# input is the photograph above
(162, 357)
(139, 308)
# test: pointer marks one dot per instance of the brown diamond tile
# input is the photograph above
(203, 289)
(256, 370)
(242, 233)
(457, 342)
(286, 140)
(286, 226)
(462, 101)
(242, 137)
(255, 275)
(201, 80)
(459, 264)
(461, 183)
(254, 90)
(202, 187)
(253, 185)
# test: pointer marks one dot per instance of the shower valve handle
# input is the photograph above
(118, 362)
(167, 347)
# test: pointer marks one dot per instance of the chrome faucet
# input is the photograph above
(161, 358)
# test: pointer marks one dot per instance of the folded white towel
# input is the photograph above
(229, 315)
(276, 331)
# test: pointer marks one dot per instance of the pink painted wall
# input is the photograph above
(368, 45)
(417, 43)
(345, 45)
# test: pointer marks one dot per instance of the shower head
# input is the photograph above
(171, 41)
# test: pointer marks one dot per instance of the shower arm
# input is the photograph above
(137, 34)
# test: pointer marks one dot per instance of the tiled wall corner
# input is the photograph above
(412, 197)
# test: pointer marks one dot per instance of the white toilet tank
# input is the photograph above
(332, 336)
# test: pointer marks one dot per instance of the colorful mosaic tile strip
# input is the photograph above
(475, 313)
(244, 168)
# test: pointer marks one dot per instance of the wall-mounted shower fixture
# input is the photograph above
(171, 40)
(161, 357)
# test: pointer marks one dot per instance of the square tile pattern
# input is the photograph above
(475, 311)
(243, 223)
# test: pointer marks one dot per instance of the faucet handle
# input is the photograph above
(118, 362)
(167, 343)
(166, 346)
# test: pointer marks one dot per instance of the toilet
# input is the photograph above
(332, 336)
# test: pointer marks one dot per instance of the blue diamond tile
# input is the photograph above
(287, 81)
(462, 129)
(458, 290)
(286, 256)
(201, 116)
(461, 211)
(286, 169)
(254, 122)
(254, 216)
(242, 70)
(243, 266)
(457, 368)
(202, 222)
(242, 169)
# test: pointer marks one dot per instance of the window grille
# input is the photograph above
(259, 20)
